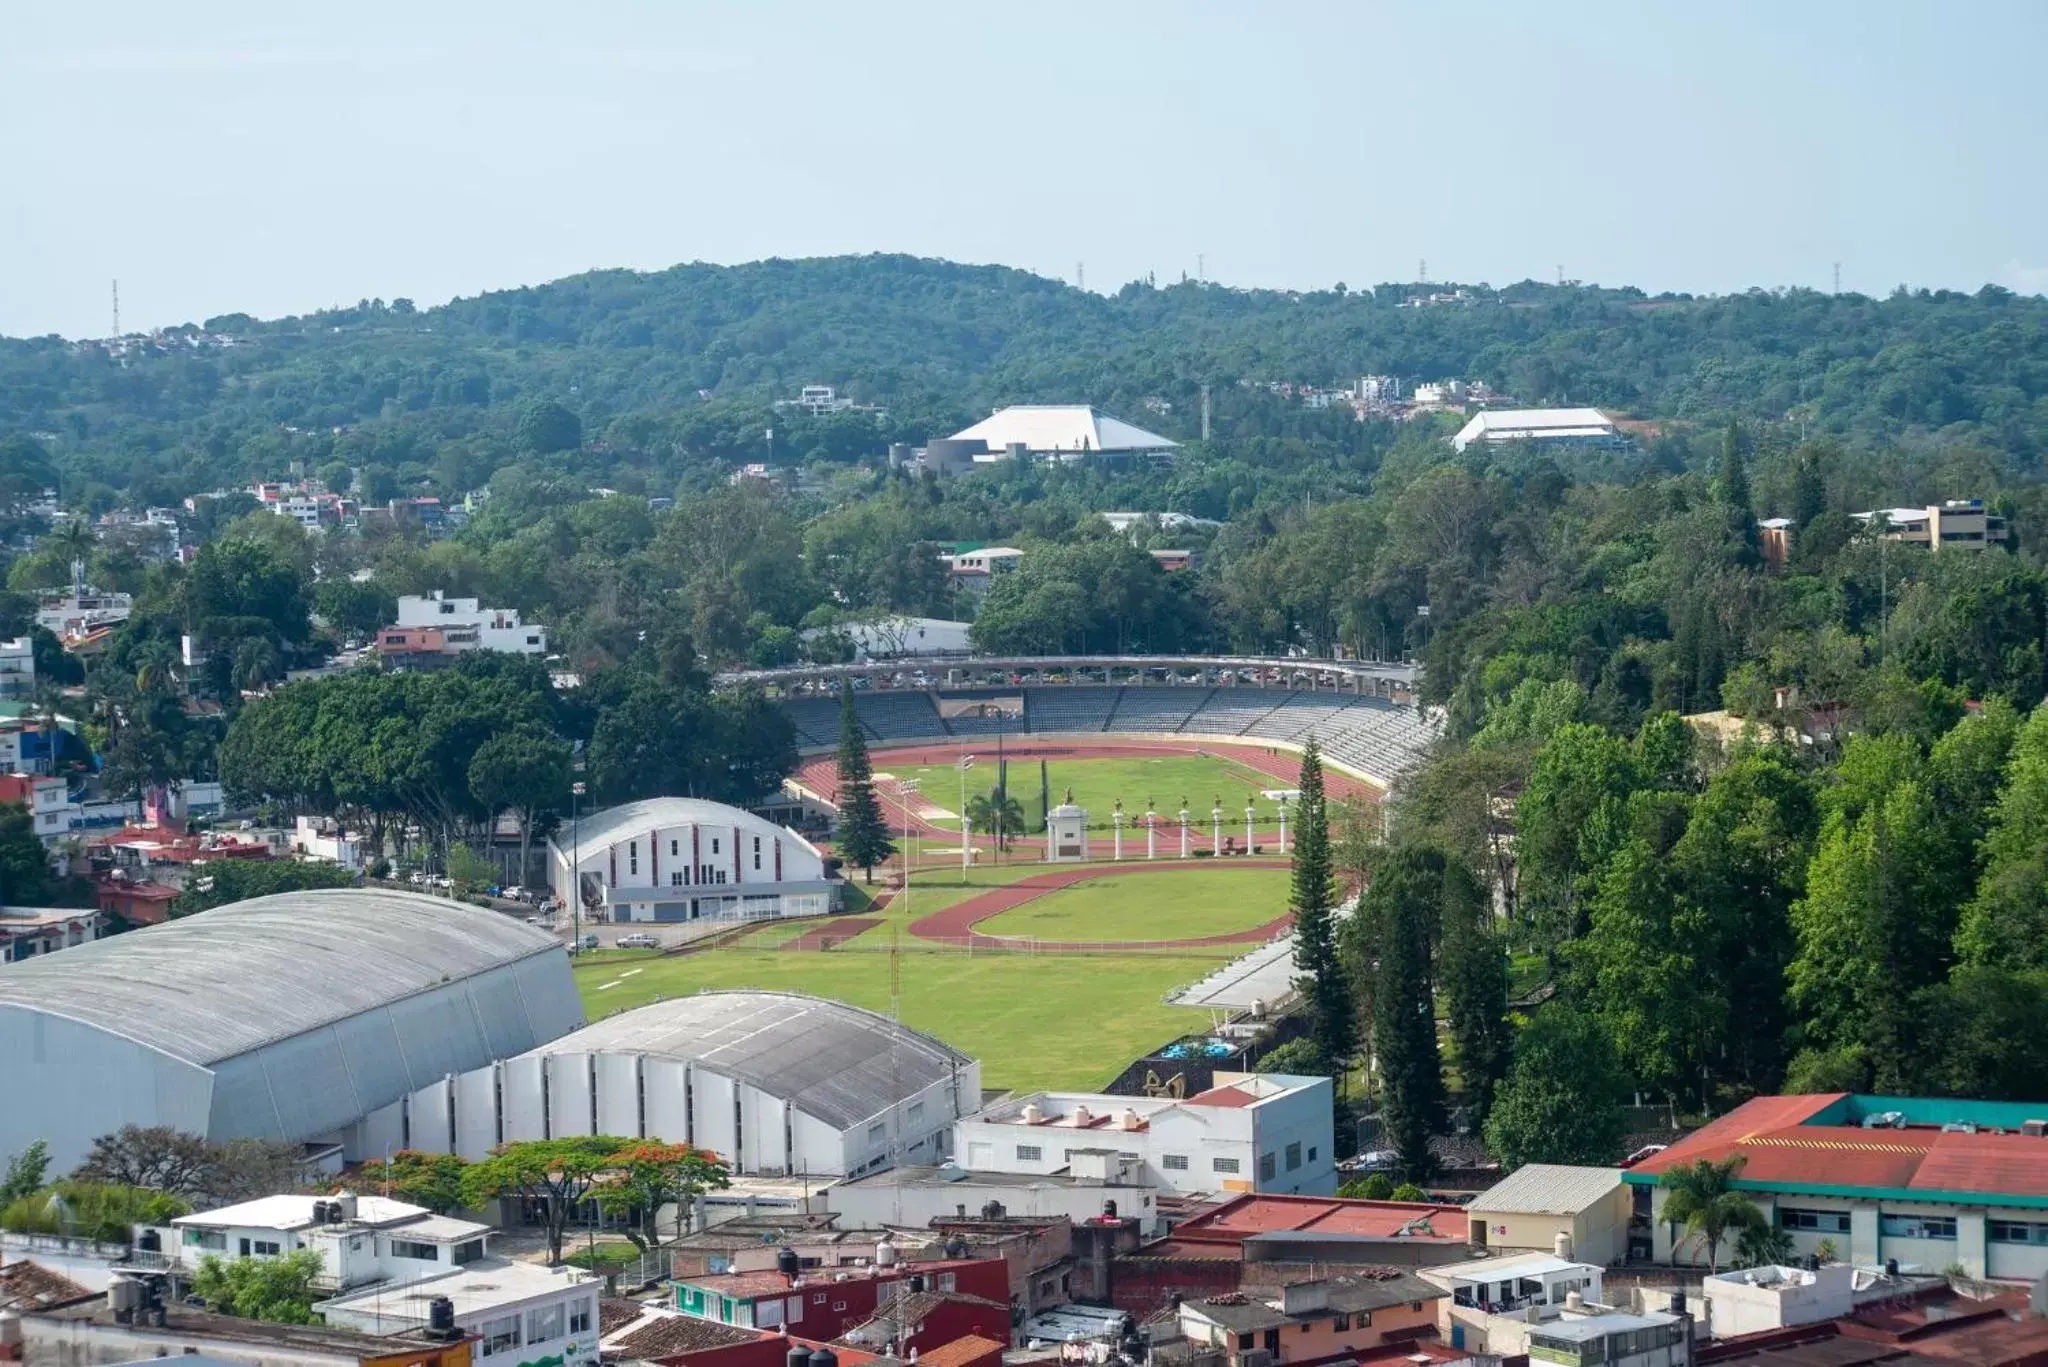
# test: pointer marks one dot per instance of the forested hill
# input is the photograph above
(682, 363)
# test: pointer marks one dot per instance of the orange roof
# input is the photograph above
(1251, 1215)
(1781, 1149)
(1222, 1096)
(968, 1348)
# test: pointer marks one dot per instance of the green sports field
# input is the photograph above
(1163, 780)
(1034, 1020)
(1163, 906)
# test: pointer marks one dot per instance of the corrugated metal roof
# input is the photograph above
(212, 986)
(631, 819)
(833, 1061)
(1061, 427)
(1548, 1189)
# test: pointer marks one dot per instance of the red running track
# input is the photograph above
(821, 774)
(838, 931)
(955, 925)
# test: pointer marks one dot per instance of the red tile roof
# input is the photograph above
(1222, 1096)
(1780, 1150)
(1255, 1214)
(968, 1348)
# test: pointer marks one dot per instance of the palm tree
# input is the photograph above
(257, 663)
(1001, 818)
(1704, 1199)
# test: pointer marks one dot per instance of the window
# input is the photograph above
(1244, 1340)
(1340, 1324)
(1917, 1226)
(267, 1248)
(544, 1323)
(677, 878)
(1267, 1167)
(1293, 1157)
(949, 1282)
(839, 1305)
(1311, 1153)
(1223, 1165)
(876, 1133)
(211, 1239)
(1174, 1162)
(767, 1314)
(1819, 1221)
(818, 1299)
(632, 856)
(2015, 1232)
(714, 844)
(579, 1316)
(672, 848)
(499, 1335)
(1029, 1153)
(409, 1248)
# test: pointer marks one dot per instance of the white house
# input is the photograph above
(520, 1312)
(1753, 1300)
(47, 799)
(1267, 1132)
(911, 1197)
(361, 1240)
(26, 932)
(685, 859)
(465, 625)
(17, 668)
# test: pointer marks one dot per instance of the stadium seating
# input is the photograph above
(1370, 735)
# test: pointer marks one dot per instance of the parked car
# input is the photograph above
(588, 942)
(1646, 1151)
(639, 939)
(416, 878)
(516, 893)
(440, 880)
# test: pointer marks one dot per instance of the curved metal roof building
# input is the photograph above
(287, 1017)
(774, 1082)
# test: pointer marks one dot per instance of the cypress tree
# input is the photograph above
(1733, 488)
(1313, 897)
(1405, 903)
(863, 835)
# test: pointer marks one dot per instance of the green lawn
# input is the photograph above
(1097, 784)
(1034, 1020)
(1175, 905)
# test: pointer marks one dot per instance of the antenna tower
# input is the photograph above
(117, 308)
(1422, 271)
(1201, 263)
(1838, 277)
(1560, 274)
(1080, 275)
(1205, 412)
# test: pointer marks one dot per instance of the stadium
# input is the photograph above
(1169, 916)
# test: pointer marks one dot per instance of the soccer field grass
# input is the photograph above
(1034, 1020)
(1097, 784)
(1173, 905)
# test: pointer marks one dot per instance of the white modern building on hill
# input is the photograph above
(1267, 1132)
(292, 1017)
(774, 1082)
(1062, 432)
(465, 624)
(674, 859)
(1544, 427)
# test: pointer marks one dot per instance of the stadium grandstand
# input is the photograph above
(1362, 713)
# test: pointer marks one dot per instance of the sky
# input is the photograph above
(273, 159)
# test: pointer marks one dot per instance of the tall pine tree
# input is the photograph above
(863, 835)
(1733, 489)
(1322, 983)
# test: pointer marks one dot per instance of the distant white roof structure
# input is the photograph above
(1062, 430)
(1536, 424)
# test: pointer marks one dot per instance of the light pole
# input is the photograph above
(966, 826)
(904, 789)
